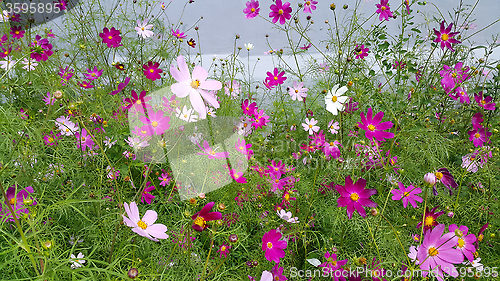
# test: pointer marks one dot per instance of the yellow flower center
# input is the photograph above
(439, 175)
(433, 251)
(371, 127)
(461, 243)
(429, 221)
(151, 70)
(110, 37)
(454, 74)
(83, 139)
(308, 3)
(154, 123)
(200, 221)
(142, 224)
(280, 12)
(17, 32)
(354, 196)
(138, 102)
(287, 197)
(480, 237)
(51, 139)
(142, 28)
(223, 248)
(444, 37)
(13, 201)
(310, 126)
(195, 84)
(331, 144)
(334, 99)
(477, 135)
(296, 91)
(253, 10)
(483, 102)
(383, 8)
(275, 78)
(406, 194)
(269, 245)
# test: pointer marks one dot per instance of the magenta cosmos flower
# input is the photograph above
(445, 37)
(361, 51)
(275, 78)
(309, 5)
(273, 246)
(437, 253)
(333, 266)
(248, 108)
(41, 49)
(152, 70)
(384, 10)
(207, 150)
(111, 37)
(280, 12)
(465, 242)
(200, 218)
(138, 102)
(84, 140)
(479, 136)
(446, 178)
(223, 250)
(453, 76)
(155, 123)
(430, 218)
(17, 32)
(196, 86)
(146, 195)
(145, 227)
(476, 120)
(373, 127)
(176, 33)
(484, 102)
(252, 9)
(355, 196)
(93, 74)
(408, 194)
(18, 201)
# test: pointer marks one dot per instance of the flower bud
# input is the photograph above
(332, 7)
(133, 273)
(374, 212)
(450, 214)
(430, 179)
(58, 94)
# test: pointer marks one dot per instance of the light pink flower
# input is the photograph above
(145, 227)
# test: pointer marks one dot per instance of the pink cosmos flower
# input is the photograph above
(276, 181)
(384, 10)
(156, 123)
(334, 267)
(143, 29)
(309, 5)
(232, 89)
(178, 34)
(145, 227)
(93, 74)
(111, 37)
(49, 100)
(479, 136)
(310, 126)
(61, 4)
(152, 70)
(462, 94)
(429, 218)
(298, 92)
(373, 127)
(445, 37)
(476, 120)
(138, 102)
(17, 32)
(164, 179)
(306, 47)
(146, 195)
(331, 149)
(121, 86)
(223, 250)
(204, 215)
(65, 74)
(465, 242)
(484, 102)
(355, 196)
(248, 108)
(252, 9)
(243, 147)
(277, 272)
(237, 176)
(210, 152)
(41, 49)
(261, 119)
(407, 3)
(362, 53)
(196, 87)
(333, 127)
(51, 139)
(275, 78)
(446, 178)
(273, 246)
(84, 140)
(437, 253)
(472, 162)
(85, 85)
(280, 12)
(18, 201)
(453, 76)
(408, 194)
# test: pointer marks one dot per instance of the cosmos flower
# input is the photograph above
(29, 64)
(85, 85)
(121, 86)
(310, 126)
(41, 49)
(191, 43)
(287, 216)
(384, 10)
(280, 12)
(164, 179)
(465, 240)
(445, 37)
(334, 267)
(248, 46)
(306, 47)
(146, 195)
(180, 35)
(333, 127)
(334, 100)
(145, 227)
(195, 87)
(48, 99)
(111, 37)
(361, 51)
(243, 147)
(156, 123)
(200, 218)
(152, 70)
(260, 119)
(19, 202)
(143, 29)
(223, 250)
(446, 178)
(374, 129)
(429, 218)
(248, 108)
(437, 253)
(51, 139)
(298, 92)
(484, 102)
(93, 74)
(67, 127)
(77, 261)
(186, 114)
(273, 246)
(207, 150)
(309, 5)
(479, 136)
(252, 9)
(138, 102)
(17, 32)
(408, 194)
(354, 196)
(84, 140)
(275, 78)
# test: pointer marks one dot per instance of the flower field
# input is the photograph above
(345, 152)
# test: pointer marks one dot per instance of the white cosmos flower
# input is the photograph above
(77, 261)
(7, 64)
(249, 46)
(287, 216)
(186, 114)
(334, 100)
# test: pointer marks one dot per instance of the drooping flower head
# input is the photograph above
(273, 246)
(145, 227)
(374, 129)
(445, 36)
(446, 178)
(252, 9)
(281, 12)
(354, 196)
(200, 218)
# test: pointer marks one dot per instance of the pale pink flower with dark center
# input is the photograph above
(195, 87)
